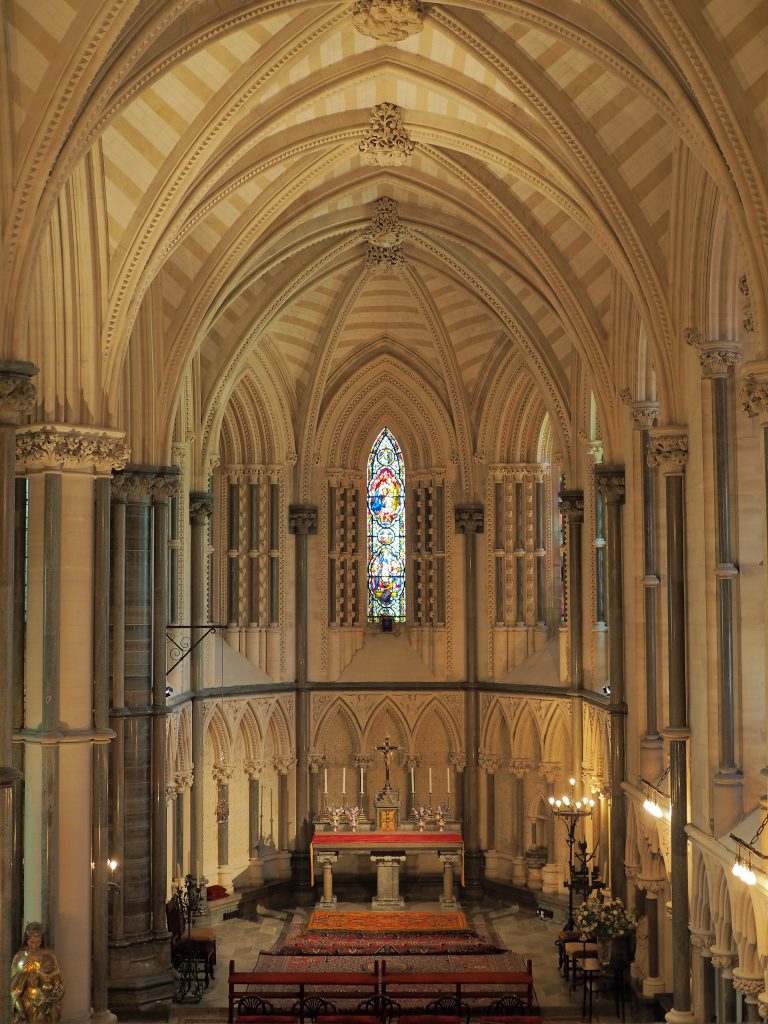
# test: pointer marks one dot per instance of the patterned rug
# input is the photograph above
(381, 934)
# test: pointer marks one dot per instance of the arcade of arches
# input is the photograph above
(240, 238)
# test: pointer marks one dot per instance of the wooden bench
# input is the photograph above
(291, 987)
(467, 985)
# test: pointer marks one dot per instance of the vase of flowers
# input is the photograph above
(334, 816)
(421, 814)
(352, 815)
(439, 816)
(604, 920)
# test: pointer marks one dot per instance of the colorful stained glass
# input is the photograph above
(386, 529)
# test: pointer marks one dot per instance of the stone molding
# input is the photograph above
(389, 21)
(57, 446)
(302, 519)
(17, 392)
(549, 770)
(753, 389)
(469, 518)
(386, 231)
(135, 483)
(611, 485)
(668, 449)
(384, 261)
(200, 505)
(457, 759)
(519, 766)
(489, 763)
(572, 504)
(653, 886)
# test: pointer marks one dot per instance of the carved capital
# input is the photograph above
(753, 390)
(388, 20)
(315, 762)
(748, 986)
(183, 780)
(489, 763)
(644, 414)
(362, 761)
(458, 760)
(519, 766)
(668, 449)
(572, 504)
(76, 449)
(302, 519)
(170, 793)
(410, 760)
(17, 392)
(610, 484)
(165, 484)
(716, 358)
(222, 772)
(469, 518)
(701, 941)
(253, 767)
(549, 770)
(651, 885)
(284, 763)
(200, 505)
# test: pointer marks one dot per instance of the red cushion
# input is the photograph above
(268, 1018)
(216, 892)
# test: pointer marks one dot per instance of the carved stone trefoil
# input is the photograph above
(388, 20)
(386, 142)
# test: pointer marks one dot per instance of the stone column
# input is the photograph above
(164, 485)
(283, 765)
(551, 873)
(717, 358)
(704, 978)
(315, 762)
(19, 640)
(572, 504)
(183, 781)
(448, 858)
(302, 520)
(139, 944)
(387, 880)
(470, 522)
(200, 511)
(611, 485)
(327, 860)
(750, 986)
(252, 771)
(644, 415)
(458, 761)
(489, 764)
(653, 983)
(17, 396)
(668, 449)
(723, 961)
(222, 772)
(66, 699)
(519, 768)
(362, 763)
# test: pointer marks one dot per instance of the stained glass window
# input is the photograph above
(386, 529)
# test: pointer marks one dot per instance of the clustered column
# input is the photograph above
(469, 521)
(302, 520)
(610, 483)
(668, 449)
(200, 511)
(519, 768)
(17, 396)
(572, 504)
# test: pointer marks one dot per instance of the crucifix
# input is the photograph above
(387, 751)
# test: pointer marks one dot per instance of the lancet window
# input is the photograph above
(386, 529)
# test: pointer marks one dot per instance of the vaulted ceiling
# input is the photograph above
(560, 150)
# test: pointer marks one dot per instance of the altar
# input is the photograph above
(388, 851)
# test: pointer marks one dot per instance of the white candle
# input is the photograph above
(362, 780)
(325, 780)
(448, 779)
(343, 781)
(413, 784)
(430, 780)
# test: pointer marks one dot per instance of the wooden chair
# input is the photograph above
(254, 1009)
(310, 1008)
(452, 1005)
(376, 1009)
(509, 1009)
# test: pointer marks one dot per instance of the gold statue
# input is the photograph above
(36, 989)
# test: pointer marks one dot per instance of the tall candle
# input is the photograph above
(325, 780)
(448, 779)
(413, 784)
(343, 781)
(430, 780)
(362, 780)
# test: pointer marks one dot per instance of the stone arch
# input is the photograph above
(443, 715)
(526, 735)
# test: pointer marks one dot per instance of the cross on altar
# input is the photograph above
(387, 751)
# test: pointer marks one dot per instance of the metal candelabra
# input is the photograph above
(571, 811)
(189, 980)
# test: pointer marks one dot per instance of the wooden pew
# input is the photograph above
(290, 987)
(409, 986)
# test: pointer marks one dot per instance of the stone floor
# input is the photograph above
(519, 930)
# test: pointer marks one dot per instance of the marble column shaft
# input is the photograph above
(470, 521)
(117, 721)
(573, 505)
(17, 395)
(611, 484)
(669, 449)
(302, 520)
(200, 509)
(19, 630)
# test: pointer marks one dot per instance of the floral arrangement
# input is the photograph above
(335, 812)
(439, 816)
(604, 919)
(352, 814)
(422, 815)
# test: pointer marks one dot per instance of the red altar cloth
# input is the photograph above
(379, 841)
